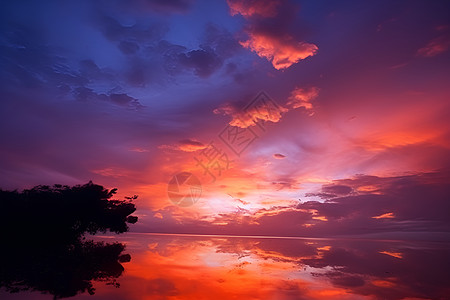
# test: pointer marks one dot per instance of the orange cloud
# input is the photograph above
(321, 218)
(254, 7)
(385, 216)
(187, 145)
(140, 150)
(383, 283)
(393, 254)
(249, 117)
(110, 172)
(302, 97)
(279, 156)
(282, 53)
(158, 215)
(324, 248)
(435, 47)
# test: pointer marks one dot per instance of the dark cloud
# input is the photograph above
(158, 6)
(218, 45)
(30, 62)
(170, 5)
(337, 189)
(345, 280)
(128, 47)
(88, 67)
(116, 32)
(170, 53)
(91, 72)
(86, 94)
(151, 52)
(221, 41)
(417, 203)
(332, 191)
(125, 100)
(204, 62)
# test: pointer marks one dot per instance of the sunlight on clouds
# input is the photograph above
(282, 53)
(302, 97)
(324, 248)
(186, 145)
(393, 254)
(385, 216)
(251, 8)
(383, 283)
(384, 140)
(250, 117)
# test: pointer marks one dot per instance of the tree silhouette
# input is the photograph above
(43, 244)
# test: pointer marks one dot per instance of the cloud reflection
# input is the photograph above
(221, 267)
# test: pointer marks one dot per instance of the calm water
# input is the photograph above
(217, 267)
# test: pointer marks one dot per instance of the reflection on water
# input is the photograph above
(206, 267)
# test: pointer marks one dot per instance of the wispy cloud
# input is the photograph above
(186, 145)
(302, 97)
(435, 47)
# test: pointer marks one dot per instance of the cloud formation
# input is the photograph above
(267, 110)
(248, 8)
(203, 62)
(435, 47)
(392, 209)
(244, 118)
(281, 52)
(302, 97)
(279, 46)
(186, 145)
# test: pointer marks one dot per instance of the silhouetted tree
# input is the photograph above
(43, 245)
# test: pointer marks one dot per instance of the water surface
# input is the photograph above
(224, 267)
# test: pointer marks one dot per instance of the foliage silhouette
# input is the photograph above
(43, 244)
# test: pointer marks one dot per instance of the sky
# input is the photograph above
(297, 118)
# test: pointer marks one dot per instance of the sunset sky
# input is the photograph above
(130, 93)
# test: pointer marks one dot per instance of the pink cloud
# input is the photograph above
(435, 47)
(186, 145)
(253, 7)
(302, 97)
(280, 47)
(281, 52)
(251, 116)
(385, 216)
